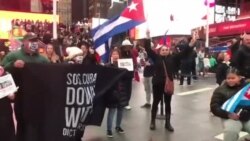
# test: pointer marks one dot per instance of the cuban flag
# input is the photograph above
(131, 16)
(240, 99)
(164, 41)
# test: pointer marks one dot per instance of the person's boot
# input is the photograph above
(189, 80)
(168, 125)
(152, 125)
(181, 80)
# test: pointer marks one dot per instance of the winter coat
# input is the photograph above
(220, 96)
(242, 61)
(159, 71)
(117, 96)
(186, 58)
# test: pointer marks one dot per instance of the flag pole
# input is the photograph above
(54, 19)
(207, 26)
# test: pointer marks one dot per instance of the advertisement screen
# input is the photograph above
(6, 18)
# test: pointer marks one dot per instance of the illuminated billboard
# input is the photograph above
(6, 18)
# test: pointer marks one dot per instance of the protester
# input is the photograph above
(186, 59)
(221, 70)
(7, 128)
(206, 64)
(50, 54)
(242, 58)
(2, 55)
(201, 55)
(15, 61)
(177, 63)
(233, 123)
(89, 56)
(117, 101)
(74, 55)
(162, 67)
(194, 72)
(148, 73)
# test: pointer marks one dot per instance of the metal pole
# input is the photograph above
(207, 26)
(54, 19)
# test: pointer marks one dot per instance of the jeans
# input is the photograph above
(111, 115)
(232, 129)
(148, 88)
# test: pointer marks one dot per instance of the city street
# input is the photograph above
(190, 117)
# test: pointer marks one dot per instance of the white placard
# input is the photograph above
(126, 64)
(7, 86)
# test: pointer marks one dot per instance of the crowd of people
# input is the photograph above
(160, 68)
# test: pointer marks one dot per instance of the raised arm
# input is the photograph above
(151, 54)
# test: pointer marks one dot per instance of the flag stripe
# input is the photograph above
(244, 103)
(234, 101)
(101, 49)
(109, 27)
(131, 16)
(231, 104)
(118, 29)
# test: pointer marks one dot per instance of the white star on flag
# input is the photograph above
(248, 94)
(132, 6)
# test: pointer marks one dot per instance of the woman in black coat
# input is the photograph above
(159, 79)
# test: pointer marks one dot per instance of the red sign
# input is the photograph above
(229, 28)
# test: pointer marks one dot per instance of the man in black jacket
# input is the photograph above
(242, 58)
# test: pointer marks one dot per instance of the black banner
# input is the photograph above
(58, 100)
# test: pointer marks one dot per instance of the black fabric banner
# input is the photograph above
(57, 99)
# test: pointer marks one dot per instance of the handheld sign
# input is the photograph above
(126, 64)
(7, 86)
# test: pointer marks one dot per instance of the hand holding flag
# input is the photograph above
(241, 98)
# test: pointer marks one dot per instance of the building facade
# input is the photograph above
(64, 11)
(98, 8)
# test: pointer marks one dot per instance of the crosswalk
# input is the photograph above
(195, 91)
(241, 136)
